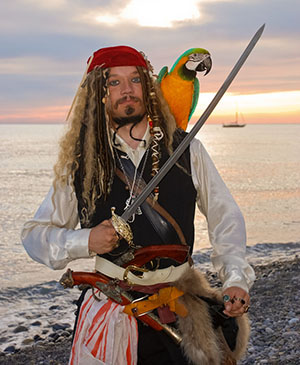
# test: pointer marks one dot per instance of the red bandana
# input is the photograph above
(117, 56)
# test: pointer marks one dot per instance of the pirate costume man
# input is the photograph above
(148, 297)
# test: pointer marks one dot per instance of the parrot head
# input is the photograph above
(192, 61)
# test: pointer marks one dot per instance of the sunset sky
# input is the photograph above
(45, 45)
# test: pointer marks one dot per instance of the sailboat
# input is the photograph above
(235, 123)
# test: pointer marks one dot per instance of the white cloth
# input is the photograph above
(104, 334)
(51, 236)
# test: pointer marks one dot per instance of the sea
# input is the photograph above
(260, 164)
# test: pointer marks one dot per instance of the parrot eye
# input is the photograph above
(193, 56)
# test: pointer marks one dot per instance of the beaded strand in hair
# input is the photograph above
(155, 120)
(156, 136)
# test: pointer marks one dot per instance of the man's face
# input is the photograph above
(125, 92)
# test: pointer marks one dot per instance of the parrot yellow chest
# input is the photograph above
(180, 107)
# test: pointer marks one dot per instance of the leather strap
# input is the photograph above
(160, 219)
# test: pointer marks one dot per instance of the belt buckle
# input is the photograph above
(130, 268)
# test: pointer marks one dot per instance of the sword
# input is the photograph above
(116, 220)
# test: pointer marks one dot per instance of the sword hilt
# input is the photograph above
(122, 227)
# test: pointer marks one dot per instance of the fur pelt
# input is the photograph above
(202, 344)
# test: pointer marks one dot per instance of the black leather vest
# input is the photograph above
(177, 195)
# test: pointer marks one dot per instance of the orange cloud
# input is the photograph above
(41, 114)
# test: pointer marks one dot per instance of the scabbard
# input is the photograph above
(114, 292)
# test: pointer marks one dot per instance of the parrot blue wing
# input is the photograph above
(162, 73)
(195, 97)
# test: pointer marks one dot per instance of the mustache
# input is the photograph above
(126, 98)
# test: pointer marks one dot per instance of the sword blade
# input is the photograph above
(187, 140)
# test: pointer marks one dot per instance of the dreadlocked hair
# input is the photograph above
(96, 161)
(91, 159)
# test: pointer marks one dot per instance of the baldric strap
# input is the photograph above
(160, 219)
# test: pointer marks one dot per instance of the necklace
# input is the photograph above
(135, 183)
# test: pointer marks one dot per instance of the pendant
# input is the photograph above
(128, 202)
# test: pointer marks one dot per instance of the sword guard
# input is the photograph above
(122, 227)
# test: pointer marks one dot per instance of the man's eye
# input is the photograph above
(136, 80)
(113, 83)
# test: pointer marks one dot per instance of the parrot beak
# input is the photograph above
(205, 65)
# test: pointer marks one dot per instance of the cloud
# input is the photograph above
(34, 65)
(44, 45)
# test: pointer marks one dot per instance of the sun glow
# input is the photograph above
(160, 13)
(263, 107)
(156, 13)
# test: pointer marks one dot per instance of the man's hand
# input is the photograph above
(238, 301)
(103, 238)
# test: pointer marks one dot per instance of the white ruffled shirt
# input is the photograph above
(52, 237)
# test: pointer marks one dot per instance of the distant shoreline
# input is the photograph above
(207, 123)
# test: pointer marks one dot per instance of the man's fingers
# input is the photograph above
(236, 302)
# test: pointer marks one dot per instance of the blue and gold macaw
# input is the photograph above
(180, 86)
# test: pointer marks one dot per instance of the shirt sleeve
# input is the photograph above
(226, 225)
(51, 237)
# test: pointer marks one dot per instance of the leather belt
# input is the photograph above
(167, 275)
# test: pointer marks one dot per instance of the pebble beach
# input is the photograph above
(42, 334)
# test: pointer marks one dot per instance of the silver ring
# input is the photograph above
(226, 298)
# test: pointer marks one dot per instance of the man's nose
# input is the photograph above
(126, 87)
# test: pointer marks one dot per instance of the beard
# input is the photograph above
(121, 122)
(129, 110)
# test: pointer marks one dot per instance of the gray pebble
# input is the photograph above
(3, 339)
(27, 341)
(293, 321)
(290, 333)
(36, 323)
(53, 307)
(60, 326)
(10, 349)
(20, 329)
(269, 330)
